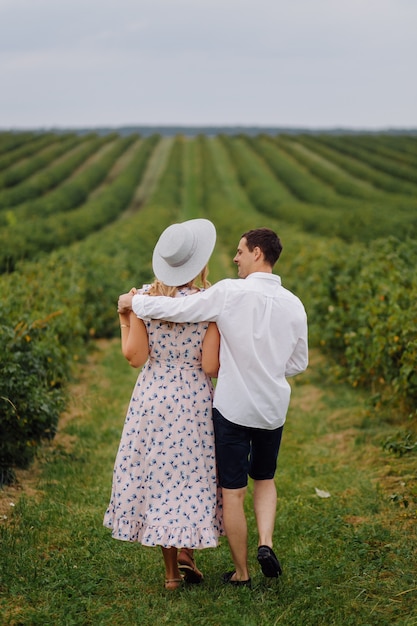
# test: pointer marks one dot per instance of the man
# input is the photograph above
(263, 330)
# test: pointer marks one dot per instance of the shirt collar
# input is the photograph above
(265, 276)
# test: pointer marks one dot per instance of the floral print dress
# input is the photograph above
(164, 488)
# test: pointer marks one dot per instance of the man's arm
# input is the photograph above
(124, 304)
(298, 361)
(204, 306)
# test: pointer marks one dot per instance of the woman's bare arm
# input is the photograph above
(135, 344)
(211, 347)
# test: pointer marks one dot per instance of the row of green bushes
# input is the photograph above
(11, 154)
(384, 162)
(399, 150)
(73, 191)
(270, 198)
(10, 141)
(58, 169)
(359, 163)
(26, 240)
(50, 309)
(326, 171)
(406, 144)
(350, 219)
(265, 191)
(324, 168)
(304, 186)
(361, 305)
(14, 175)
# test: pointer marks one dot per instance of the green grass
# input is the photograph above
(347, 559)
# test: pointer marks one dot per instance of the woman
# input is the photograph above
(164, 483)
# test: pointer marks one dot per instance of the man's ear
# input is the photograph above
(257, 253)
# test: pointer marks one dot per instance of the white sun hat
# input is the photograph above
(182, 251)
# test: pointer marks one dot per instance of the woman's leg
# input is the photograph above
(172, 573)
(187, 566)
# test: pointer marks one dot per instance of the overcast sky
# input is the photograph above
(291, 63)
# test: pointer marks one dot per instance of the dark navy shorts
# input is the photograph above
(242, 451)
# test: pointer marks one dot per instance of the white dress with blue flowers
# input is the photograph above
(164, 481)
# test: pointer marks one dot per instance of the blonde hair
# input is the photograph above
(158, 288)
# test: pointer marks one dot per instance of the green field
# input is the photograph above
(79, 217)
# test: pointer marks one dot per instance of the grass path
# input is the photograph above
(348, 558)
(228, 177)
(155, 167)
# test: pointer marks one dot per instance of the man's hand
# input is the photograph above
(124, 304)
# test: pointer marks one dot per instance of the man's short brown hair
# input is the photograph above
(267, 241)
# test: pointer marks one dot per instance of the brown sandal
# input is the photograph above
(188, 568)
(172, 583)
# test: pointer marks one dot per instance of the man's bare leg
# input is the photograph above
(235, 525)
(265, 505)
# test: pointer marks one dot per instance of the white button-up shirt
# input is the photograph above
(263, 329)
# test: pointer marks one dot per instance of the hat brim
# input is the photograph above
(205, 239)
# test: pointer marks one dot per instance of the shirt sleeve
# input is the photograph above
(203, 306)
(298, 361)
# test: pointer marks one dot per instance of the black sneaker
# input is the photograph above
(269, 563)
(236, 583)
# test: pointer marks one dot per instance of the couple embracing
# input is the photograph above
(187, 450)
